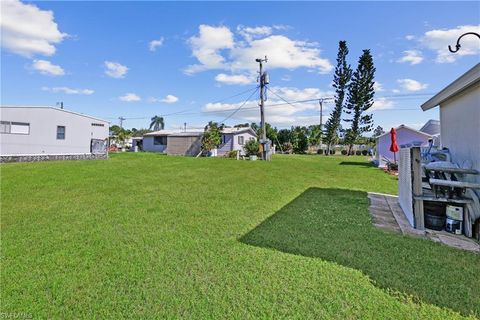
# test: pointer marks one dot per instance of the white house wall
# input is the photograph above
(404, 136)
(149, 146)
(460, 128)
(42, 136)
(231, 142)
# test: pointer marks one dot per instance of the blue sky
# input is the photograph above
(140, 59)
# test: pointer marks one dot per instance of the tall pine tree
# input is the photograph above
(343, 74)
(360, 99)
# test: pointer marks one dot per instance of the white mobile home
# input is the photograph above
(459, 104)
(234, 139)
(405, 136)
(50, 131)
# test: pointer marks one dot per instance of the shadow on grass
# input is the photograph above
(334, 225)
(357, 163)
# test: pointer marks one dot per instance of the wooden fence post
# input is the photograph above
(417, 188)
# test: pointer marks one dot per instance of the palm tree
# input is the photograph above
(157, 123)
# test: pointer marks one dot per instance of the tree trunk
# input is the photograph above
(328, 149)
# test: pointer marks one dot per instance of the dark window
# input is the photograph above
(160, 140)
(60, 132)
(241, 140)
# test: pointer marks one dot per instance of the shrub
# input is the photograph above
(364, 152)
(358, 153)
(392, 166)
(212, 136)
(344, 152)
(252, 148)
(332, 151)
(287, 147)
(320, 151)
(231, 154)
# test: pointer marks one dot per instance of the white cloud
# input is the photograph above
(207, 45)
(411, 56)
(252, 32)
(378, 87)
(277, 112)
(216, 48)
(115, 69)
(382, 104)
(410, 37)
(438, 40)
(155, 43)
(46, 67)
(129, 97)
(169, 99)
(26, 30)
(68, 90)
(282, 52)
(411, 85)
(240, 79)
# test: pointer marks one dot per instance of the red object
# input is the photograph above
(394, 145)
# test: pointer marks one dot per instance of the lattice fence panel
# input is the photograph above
(405, 196)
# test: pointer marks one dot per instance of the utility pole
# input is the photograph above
(263, 81)
(121, 121)
(320, 101)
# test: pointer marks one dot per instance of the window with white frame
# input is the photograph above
(241, 140)
(14, 127)
(60, 132)
(20, 128)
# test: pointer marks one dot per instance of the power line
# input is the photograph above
(243, 104)
(186, 110)
(292, 103)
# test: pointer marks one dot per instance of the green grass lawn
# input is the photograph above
(151, 236)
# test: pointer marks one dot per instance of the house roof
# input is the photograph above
(431, 127)
(186, 134)
(468, 79)
(402, 126)
(239, 130)
(160, 133)
(173, 133)
(58, 109)
(198, 133)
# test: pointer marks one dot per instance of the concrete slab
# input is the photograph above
(388, 215)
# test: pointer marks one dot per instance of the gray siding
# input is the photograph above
(42, 137)
(184, 145)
